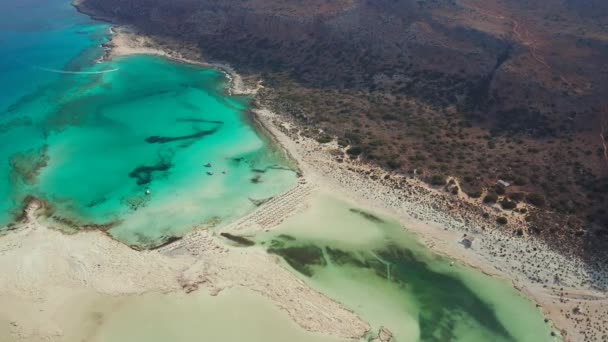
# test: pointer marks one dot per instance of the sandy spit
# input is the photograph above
(564, 288)
(44, 271)
(571, 294)
(42, 268)
(48, 279)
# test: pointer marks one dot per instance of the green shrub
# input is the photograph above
(394, 163)
(516, 196)
(474, 193)
(417, 157)
(354, 151)
(438, 180)
(536, 199)
(502, 220)
(324, 139)
(520, 181)
(507, 204)
(490, 198)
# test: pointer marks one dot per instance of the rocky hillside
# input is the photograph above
(481, 90)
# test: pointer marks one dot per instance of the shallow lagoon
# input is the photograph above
(234, 315)
(91, 139)
(93, 145)
(370, 264)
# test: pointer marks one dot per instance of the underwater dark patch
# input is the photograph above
(259, 202)
(436, 330)
(74, 113)
(27, 166)
(276, 167)
(301, 258)
(12, 108)
(104, 227)
(286, 237)
(198, 120)
(18, 122)
(96, 202)
(443, 297)
(367, 216)
(240, 240)
(166, 240)
(340, 257)
(144, 242)
(190, 106)
(75, 225)
(143, 174)
(273, 167)
(156, 139)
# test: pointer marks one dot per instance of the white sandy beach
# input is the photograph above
(568, 304)
(44, 269)
(46, 272)
(125, 42)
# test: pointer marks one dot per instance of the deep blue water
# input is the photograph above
(37, 34)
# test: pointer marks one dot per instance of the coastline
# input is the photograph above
(561, 304)
(44, 269)
(82, 9)
(419, 213)
(428, 212)
(126, 42)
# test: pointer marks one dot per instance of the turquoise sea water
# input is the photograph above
(93, 142)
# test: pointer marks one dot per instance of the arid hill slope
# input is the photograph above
(476, 89)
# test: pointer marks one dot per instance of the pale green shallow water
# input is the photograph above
(92, 145)
(234, 315)
(373, 266)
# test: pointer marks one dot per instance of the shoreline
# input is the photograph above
(560, 303)
(564, 303)
(565, 306)
(126, 42)
(44, 268)
(323, 171)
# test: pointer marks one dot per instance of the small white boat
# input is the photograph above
(148, 192)
(208, 165)
(209, 173)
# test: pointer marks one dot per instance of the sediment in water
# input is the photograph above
(368, 263)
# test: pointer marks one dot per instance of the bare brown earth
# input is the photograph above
(477, 90)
